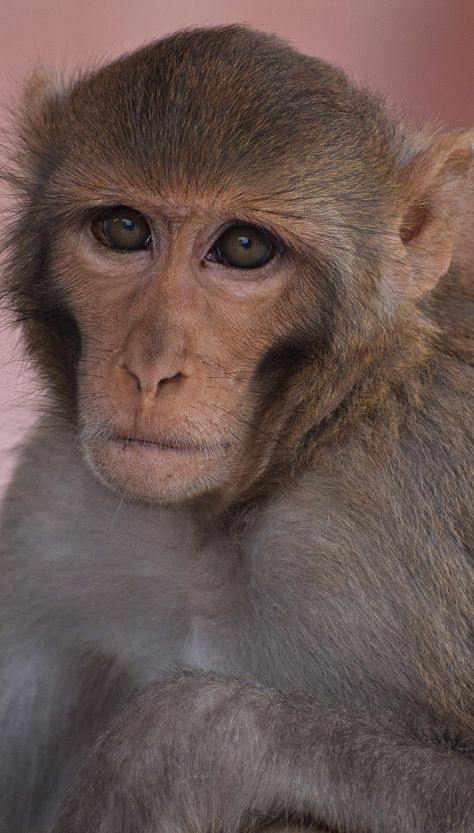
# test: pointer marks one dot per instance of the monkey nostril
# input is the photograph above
(148, 383)
(133, 375)
(166, 381)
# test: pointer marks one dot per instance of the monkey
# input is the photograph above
(237, 551)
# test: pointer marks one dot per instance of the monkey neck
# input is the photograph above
(385, 383)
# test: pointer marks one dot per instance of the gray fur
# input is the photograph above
(294, 602)
(302, 651)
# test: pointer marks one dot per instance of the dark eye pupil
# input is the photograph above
(128, 225)
(245, 242)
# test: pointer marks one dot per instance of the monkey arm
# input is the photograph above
(204, 752)
(51, 708)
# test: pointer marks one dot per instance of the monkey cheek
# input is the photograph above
(155, 476)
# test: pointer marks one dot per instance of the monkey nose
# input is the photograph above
(151, 379)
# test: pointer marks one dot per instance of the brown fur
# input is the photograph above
(337, 382)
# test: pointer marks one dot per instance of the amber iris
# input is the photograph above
(122, 228)
(245, 247)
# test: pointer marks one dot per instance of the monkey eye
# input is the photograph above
(242, 246)
(122, 228)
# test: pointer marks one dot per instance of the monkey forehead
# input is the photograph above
(209, 108)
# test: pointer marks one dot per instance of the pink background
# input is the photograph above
(418, 52)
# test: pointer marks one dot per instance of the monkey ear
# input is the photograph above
(434, 193)
(42, 94)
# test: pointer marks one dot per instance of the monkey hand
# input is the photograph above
(176, 759)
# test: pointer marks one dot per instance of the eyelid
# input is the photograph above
(272, 235)
(96, 211)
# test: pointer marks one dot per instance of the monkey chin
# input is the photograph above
(156, 475)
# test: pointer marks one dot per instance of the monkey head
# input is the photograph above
(215, 235)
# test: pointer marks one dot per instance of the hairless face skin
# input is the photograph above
(236, 556)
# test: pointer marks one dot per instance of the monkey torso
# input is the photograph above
(342, 576)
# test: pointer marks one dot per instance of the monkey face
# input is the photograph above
(175, 303)
(187, 256)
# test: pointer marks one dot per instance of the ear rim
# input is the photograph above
(453, 150)
(42, 93)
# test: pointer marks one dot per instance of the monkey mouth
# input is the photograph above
(185, 446)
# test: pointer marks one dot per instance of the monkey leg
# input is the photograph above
(293, 827)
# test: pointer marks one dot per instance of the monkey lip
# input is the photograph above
(173, 446)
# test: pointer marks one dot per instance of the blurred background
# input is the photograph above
(419, 53)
